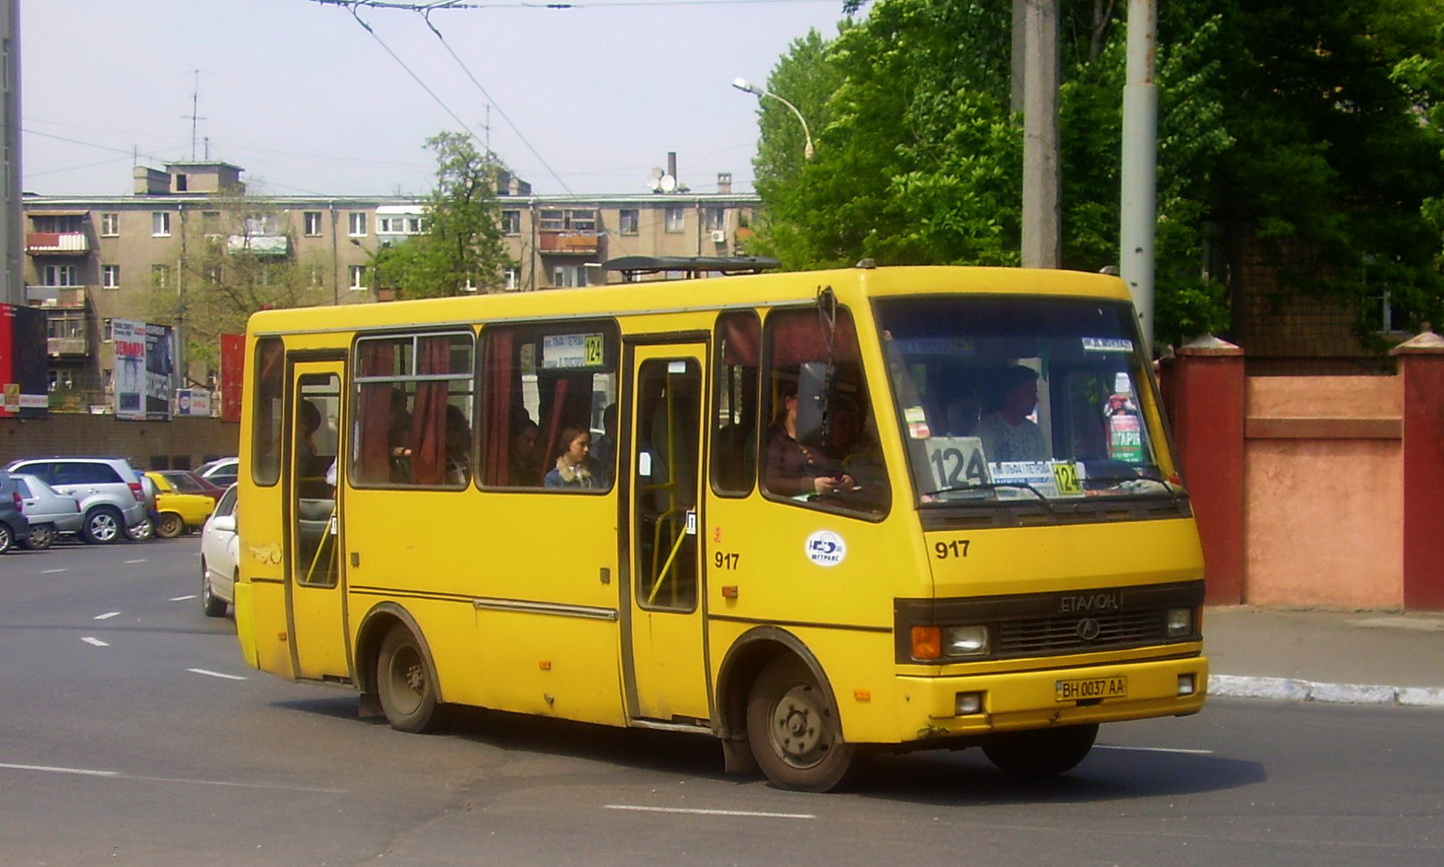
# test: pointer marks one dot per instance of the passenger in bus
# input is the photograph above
(458, 446)
(1007, 433)
(575, 467)
(604, 450)
(523, 469)
(794, 469)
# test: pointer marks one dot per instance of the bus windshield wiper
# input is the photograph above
(993, 486)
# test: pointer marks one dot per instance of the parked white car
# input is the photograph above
(220, 555)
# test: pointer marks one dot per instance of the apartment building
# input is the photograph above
(91, 260)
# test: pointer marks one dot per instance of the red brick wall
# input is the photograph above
(180, 442)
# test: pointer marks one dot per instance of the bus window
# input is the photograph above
(414, 399)
(540, 385)
(821, 443)
(734, 436)
(267, 415)
(1022, 400)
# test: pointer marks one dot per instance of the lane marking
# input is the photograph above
(216, 674)
(53, 571)
(133, 562)
(1155, 750)
(107, 615)
(182, 598)
(116, 775)
(96, 642)
(695, 812)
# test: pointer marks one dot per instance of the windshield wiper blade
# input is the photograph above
(991, 486)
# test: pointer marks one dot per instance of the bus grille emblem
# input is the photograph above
(1088, 629)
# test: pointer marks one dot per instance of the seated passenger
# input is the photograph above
(522, 466)
(575, 467)
(793, 468)
(458, 446)
(1008, 434)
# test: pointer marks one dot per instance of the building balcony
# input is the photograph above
(65, 297)
(67, 347)
(57, 244)
(260, 245)
(574, 243)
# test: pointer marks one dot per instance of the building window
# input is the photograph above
(676, 218)
(568, 276)
(106, 332)
(160, 276)
(358, 276)
(400, 225)
(160, 224)
(629, 221)
(511, 222)
(356, 224)
(110, 225)
(716, 219)
(568, 220)
(312, 221)
(512, 277)
(61, 275)
(110, 276)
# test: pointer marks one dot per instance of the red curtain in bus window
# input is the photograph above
(373, 415)
(800, 335)
(428, 417)
(497, 374)
(741, 340)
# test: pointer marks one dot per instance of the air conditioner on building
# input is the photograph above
(719, 236)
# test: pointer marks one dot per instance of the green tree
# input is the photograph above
(461, 249)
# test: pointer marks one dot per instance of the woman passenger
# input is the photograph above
(575, 467)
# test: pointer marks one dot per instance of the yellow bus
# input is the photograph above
(814, 515)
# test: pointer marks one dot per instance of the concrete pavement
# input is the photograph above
(1362, 657)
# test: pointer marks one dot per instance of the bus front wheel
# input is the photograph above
(1043, 752)
(405, 683)
(793, 729)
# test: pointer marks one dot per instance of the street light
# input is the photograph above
(746, 86)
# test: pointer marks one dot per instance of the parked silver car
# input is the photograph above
(112, 498)
(13, 523)
(50, 513)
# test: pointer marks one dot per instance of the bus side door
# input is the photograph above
(664, 641)
(315, 592)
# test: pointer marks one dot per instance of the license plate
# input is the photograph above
(1091, 688)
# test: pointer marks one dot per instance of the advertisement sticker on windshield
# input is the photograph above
(1107, 344)
(826, 548)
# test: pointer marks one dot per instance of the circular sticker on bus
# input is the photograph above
(826, 548)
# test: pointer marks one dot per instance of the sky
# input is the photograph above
(583, 100)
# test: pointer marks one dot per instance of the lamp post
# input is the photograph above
(746, 86)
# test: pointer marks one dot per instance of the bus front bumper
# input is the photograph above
(986, 703)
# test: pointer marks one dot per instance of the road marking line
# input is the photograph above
(182, 598)
(695, 812)
(216, 674)
(94, 641)
(1156, 750)
(49, 769)
(133, 562)
(53, 571)
(107, 615)
(116, 775)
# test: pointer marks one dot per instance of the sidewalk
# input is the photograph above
(1367, 657)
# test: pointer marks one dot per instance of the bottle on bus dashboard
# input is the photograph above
(838, 514)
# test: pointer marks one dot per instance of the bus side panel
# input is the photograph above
(462, 561)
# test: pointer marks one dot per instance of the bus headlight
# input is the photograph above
(963, 641)
(1179, 622)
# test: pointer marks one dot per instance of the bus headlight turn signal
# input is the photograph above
(949, 642)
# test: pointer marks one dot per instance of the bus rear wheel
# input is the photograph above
(405, 682)
(1041, 753)
(793, 729)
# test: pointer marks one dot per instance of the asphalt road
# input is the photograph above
(131, 732)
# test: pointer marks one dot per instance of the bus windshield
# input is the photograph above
(1038, 400)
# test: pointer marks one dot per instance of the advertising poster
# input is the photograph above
(23, 385)
(144, 370)
(233, 371)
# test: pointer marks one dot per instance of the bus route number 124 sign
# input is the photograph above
(957, 462)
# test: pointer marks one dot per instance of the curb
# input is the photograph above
(1290, 689)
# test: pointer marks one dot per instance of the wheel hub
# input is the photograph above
(797, 729)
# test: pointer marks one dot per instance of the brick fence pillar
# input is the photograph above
(1421, 364)
(1207, 396)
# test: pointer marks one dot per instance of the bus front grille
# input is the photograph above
(1074, 634)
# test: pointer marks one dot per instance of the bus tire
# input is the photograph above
(793, 729)
(405, 682)
(1043, 752)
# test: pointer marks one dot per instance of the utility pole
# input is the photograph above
(1140, 164)
(1042, 244)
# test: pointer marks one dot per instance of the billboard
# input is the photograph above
(233, 372)
(144, 370)
(23, 388)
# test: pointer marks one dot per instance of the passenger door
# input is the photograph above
(664, 637)
(315, 579)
